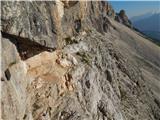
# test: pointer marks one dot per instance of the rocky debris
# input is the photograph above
(121, 17)
(89, 78)
(40, 73)
(60, 85)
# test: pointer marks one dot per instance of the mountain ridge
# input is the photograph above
(150, 26)
(145, 15)
(96, 68)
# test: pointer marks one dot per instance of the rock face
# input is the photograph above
(48, 22)
(122, 18)
(88, 67)
(32, 20)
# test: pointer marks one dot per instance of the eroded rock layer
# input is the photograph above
(69, 60)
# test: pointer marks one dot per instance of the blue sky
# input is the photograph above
(135, 8)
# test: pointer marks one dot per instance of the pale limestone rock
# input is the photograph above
(102, 82)
(74, 48)
(60, 7)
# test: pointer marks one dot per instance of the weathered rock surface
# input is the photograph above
(32, 20)
(103, 71)
(122, 18)
(48, 22)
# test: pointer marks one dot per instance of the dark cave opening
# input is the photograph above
(26, 47)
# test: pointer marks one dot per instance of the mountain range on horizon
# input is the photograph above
(144, 15)
(148, 24)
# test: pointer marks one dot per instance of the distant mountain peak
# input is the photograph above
(144, 15)
(155, 12)
(149, 24)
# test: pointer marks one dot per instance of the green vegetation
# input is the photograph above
(69, 40)
(85, 57)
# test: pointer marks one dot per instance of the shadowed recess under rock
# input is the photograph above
(26, 47)
(8, 74)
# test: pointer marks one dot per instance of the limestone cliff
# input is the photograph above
(121, 17)
(69, 60)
